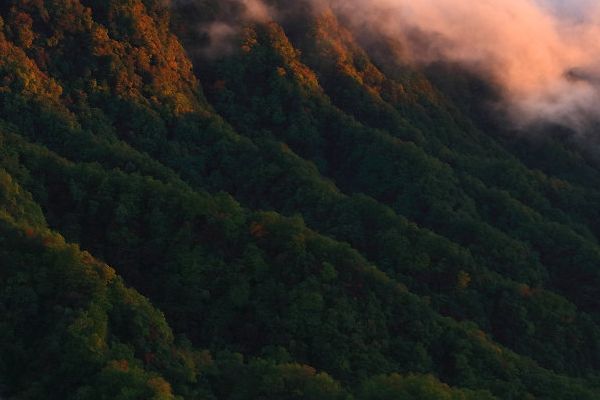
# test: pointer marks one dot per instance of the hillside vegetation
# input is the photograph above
(298, 217)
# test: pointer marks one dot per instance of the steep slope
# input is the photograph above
(71, 329)
(434, 187)
(68, 318)
(401, 248)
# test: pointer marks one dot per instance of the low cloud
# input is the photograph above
(215, 35)
(543, 54)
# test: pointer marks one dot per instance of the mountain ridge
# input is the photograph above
(290, 202)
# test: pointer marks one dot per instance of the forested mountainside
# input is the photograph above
(298, 215)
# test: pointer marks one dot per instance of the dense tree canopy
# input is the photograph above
(299, 217)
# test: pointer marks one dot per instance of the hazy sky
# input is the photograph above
(570, 8)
